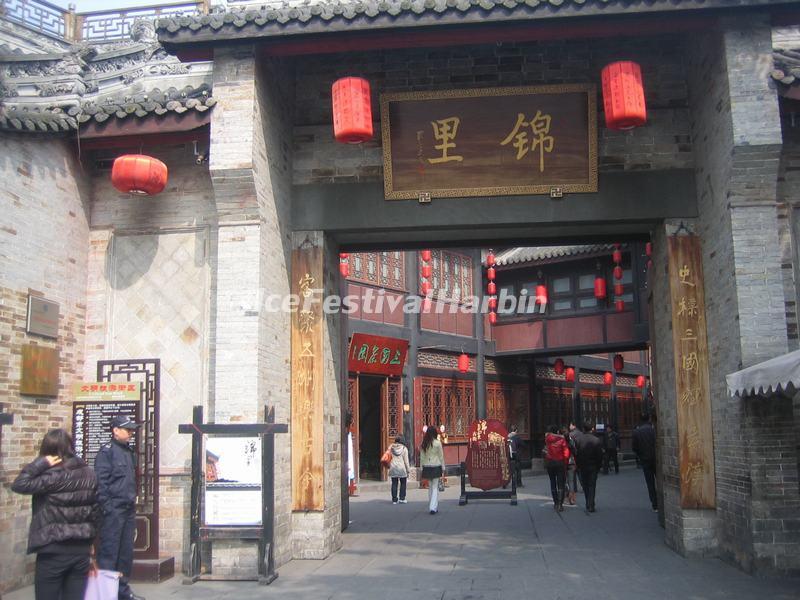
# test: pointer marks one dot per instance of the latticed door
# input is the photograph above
(445, 402)
(391, 413)
(352, 407)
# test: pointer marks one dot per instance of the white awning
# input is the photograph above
(774, 375)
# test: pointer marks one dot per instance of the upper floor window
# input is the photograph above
(451, 277)
(382, 269)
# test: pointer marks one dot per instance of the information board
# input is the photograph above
(233, 481)
(487, 455)
(92, 412)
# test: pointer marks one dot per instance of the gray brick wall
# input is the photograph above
(663, 144)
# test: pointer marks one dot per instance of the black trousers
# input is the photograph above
(649, 469)
(116, 545)
(61, 576)
(588, 477)
(402, 481)
(608, 456)
(516, 465)
(557, 473)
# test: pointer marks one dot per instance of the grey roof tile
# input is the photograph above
(536, 254)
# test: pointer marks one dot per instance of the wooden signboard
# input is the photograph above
(490, 141)
(307, 369)
(487, 455)
(690, 346)
(377, 355)
(39, 371)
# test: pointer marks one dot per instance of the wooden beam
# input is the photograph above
(234, 429)
(201, 134)
(152, 124)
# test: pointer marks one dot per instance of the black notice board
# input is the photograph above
(90, 424)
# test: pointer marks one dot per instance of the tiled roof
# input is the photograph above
(535, 254)
(313, 16)
(141, 104)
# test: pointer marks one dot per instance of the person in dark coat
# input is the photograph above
(644, 445)
(514, 447)
(115, 465)
(589, 458)
(611, 448)
(64, 517)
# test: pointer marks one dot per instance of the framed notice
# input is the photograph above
(92, 411)
(233, 481)
(42, 317)
(490, 141)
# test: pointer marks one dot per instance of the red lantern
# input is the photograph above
(491, 274)
(344, 268)
(425, 288)
(617, 245)
(616, 256)
(619, 305)
(649, 264)
(618, 272)
(619, 289)
(608, 378)
(541, 294)
(493, 303)
(493, 317)
(491, 288)
(623, 95)
(599, 287)
(426, 271)
(463, 363)
(569, 374)
(425, 255)
(641, 381)
(343, 256)
(619, 362)
(352, 111)
(139, 174)
(648, 249)
(490, 260)
(558, 366)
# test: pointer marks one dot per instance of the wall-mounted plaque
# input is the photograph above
(39, 371)
(487, 455)
(42, 317)
(377, 354)
(490, 141)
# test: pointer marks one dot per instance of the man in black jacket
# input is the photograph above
(115, 465)
(644, 445)
(589, 459)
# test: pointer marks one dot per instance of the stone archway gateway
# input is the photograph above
(492, 133)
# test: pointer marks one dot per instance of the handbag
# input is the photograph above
(386, 459)
(102, 585)
(441, 484)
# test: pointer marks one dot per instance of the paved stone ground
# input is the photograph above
(490, 550)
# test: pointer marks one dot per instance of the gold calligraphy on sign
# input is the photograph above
(690, 346)
(445, 130)
(539, 126)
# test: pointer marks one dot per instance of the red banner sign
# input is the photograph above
(377, 355)
(487, 455)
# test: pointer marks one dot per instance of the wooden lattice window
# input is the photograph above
(556, 406)
(629, 410)
(452, 275)
(509, 404)
(446, 402)
(595, 406)
(383, 269)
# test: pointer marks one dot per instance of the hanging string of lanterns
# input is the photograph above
(599, 284)
(491, 287)
(648, 250)
(344, 264)
(619, 289)
(426, 273)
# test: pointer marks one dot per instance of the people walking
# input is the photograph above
(64, 517)
(556, 455)
(589, 459)
(514, 444)
(115, 466)
(399, 469)
(610, 450)
(431, 458)
(644, 446)
(572, 467)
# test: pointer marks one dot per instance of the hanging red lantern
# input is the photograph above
(491, 274)
(617, 245)
(619, 305)
(491, 288)
(558, 366)
(623, 95)
(569, 374)
(425, 255)
(490, 259)
(352, 110)
(648, 249)
(618, 272)
(344, 268)
(616, 256)
(343, 256)
(619, 362)
(641, 381)
(139, 174)
(619, 289)
(425, 287)
(608, 378)
(599, 287)
(426, 271)
(493, 318)
(463, 363)
(541, 295)
(492, 302)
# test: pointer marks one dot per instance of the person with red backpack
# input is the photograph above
(556, 455)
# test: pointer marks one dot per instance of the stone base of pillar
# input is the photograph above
(690, 532)
(315, 535)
